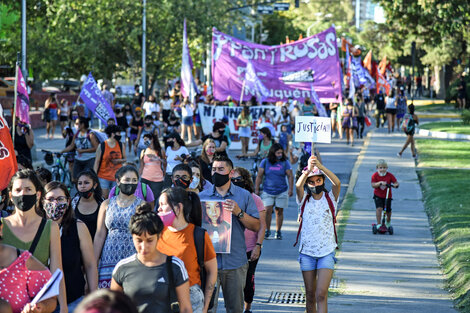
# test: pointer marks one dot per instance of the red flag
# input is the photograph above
(383, 65)
(7, 155)
(368, 61)
(382, 83)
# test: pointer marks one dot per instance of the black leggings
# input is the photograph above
(360, 125)
(249, 290)
(156, 187)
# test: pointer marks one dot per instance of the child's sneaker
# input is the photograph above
(278, 235)
(267, 233)
(388, 224)
(379, 225)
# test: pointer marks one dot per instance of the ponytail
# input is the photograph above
(192, 211)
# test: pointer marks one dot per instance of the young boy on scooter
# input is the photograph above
(381, 181)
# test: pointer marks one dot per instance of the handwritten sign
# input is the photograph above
(312, 129)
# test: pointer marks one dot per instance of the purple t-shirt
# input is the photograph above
(138, 193)
(251, 237)
(275, 176)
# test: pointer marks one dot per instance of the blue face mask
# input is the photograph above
(279, 157)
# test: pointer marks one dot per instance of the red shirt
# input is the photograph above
(382, 190)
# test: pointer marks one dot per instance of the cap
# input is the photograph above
(225, 119)
(138, 109)
(316, 172)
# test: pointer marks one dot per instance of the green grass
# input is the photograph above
(343, 216)
(437, 108)
(448, 206)
(448, 127)
(443, 153)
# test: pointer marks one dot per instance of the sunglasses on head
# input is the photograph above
(237, 179)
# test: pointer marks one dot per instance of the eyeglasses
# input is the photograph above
(237, 179)
(58, 199)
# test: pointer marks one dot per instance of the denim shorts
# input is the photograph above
(310, 263)
(188, 120)
(278, 201)
(107, 184)
(53, 114)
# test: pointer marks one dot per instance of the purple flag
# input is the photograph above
(22, 100)
(188, 85)
(95, 101)
(286, 70)
(252, 82)
(320, 108)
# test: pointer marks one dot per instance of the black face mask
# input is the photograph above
(117, 137)
(128, 189)
(148, 124)
(86, 194)
(219, 180)
(25, 202)
(221, 132)
(239, 183)
(183, 183)
(316, 189)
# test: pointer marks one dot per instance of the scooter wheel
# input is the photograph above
(374, 229)
(390, 230)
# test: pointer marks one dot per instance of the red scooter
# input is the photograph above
(383, 227)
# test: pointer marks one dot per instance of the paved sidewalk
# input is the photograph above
(398, 273)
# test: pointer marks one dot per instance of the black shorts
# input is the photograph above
(391, 111)
(63, 118)
(380, 203)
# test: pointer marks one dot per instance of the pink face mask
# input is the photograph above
(167, 218)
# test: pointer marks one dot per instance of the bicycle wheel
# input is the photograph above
(67, 180)
(56, 174)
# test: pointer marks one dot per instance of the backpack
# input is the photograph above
(333, 214)
(144, 190)
(100, 136)
(103, 147)
(199, 242)
(408, 123)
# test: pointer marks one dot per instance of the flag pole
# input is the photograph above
(241, 95)
(13, 118)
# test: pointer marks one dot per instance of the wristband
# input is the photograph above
(258, 244)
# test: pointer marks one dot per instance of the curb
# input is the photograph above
(354, 172)
(442, 135)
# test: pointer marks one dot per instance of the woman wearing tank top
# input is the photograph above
(76, 244)
(20, 228)
(153, 165)
(87, 202)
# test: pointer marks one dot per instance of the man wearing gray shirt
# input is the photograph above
(232, 267)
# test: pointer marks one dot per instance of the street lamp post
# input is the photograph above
(144, 48)
(23, 39)
(319, 14)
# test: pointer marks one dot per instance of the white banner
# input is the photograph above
(211, 114)
(312, 129)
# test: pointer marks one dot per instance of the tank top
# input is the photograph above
(72, 263)
(152, 169)
(82, 141)
(42, 249)
(144, 132)
(107, 168)
(53, 105)
(263, 150)
(21, 146)
(90, 220)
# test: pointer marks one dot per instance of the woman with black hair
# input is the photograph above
(153, 164)
(411, 120)
(27, 223)
(276, 168)
(77, 248)
(265, 141)
(253, 240)
(113, 242)
(181, 213)
(150, 277)
(176, 153)
(88, 199)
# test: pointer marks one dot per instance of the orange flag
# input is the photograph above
(382, 83)
(300, 37)
(368, 61)
(7, 155)
(287, 39)
(383, 65)
(354, 51)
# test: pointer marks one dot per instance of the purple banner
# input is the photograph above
(286, 70)
(95, 101)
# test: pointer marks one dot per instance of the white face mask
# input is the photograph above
(194, 183)
(382, 174)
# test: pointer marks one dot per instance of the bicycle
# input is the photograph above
(58, 163)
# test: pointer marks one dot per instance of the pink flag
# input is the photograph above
(22, 100)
